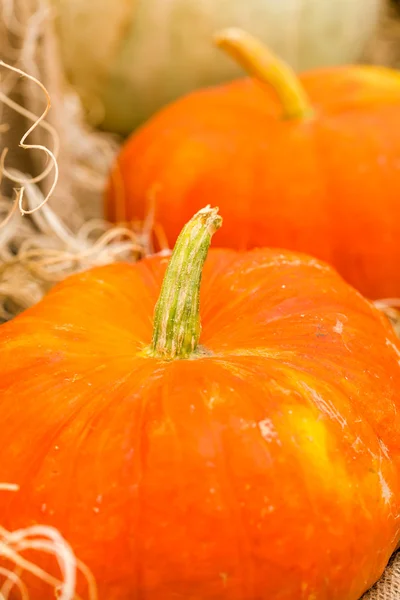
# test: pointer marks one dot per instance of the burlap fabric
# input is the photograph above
(388, 587)
(27, 40)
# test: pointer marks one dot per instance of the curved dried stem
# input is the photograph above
(24, 112)
(53, 161)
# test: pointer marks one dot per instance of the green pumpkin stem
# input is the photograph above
(177, 326)
(259, 62)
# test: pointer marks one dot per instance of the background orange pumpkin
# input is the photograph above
(265, 466)
(311, 166)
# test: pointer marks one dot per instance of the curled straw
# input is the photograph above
(48, 540)
(37, 121)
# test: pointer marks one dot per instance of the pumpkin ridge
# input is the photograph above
(299, 372)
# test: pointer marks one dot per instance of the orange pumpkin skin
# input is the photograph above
(265, 469)
(328, 185)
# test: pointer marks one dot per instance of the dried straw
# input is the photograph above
(36, 253)
(37, 249)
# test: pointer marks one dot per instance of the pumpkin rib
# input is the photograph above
(249, 587)
(299, 372)
(231, 502)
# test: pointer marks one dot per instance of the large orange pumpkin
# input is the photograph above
(258, 460)
(311, 165)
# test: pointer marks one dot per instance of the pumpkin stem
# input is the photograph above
(177, 325)
(259, 62)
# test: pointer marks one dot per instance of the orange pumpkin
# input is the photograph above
(258, 460)
(311, 165)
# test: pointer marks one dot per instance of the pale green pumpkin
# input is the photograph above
(127, 58)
